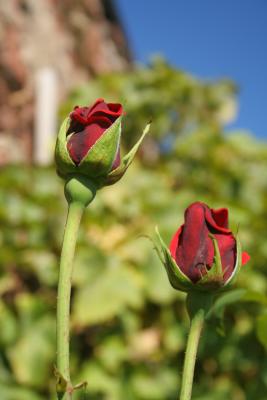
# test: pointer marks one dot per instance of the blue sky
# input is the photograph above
(210, 39)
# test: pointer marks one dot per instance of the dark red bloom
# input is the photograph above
(87, 125)
(192, 247)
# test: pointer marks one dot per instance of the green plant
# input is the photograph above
(133, 346)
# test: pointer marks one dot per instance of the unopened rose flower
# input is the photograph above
(87, 157)
(87, 125)
(203, 253)
(88, 144)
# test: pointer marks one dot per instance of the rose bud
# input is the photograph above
(203, 254)
(88, 144)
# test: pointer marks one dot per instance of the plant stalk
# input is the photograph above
(75, 211)
(196, 326)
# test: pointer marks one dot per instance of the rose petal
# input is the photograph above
(84, 114)
(227, 248)
(81, 142)
(220, 216)
(195, 250)
(175, 242)
(112, 109)
(87, 126)
(245, 257)
(80, 114)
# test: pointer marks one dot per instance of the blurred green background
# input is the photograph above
(128, 325)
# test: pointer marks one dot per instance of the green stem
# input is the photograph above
(196, 326)
(198, 305)
(75, 212)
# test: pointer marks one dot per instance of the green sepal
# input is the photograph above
(177, 278)
(64, 163)
(213, 279)
(99, 159)
(117, 173)
(238, 264)
(61, 382)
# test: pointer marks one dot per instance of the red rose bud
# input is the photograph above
(87, 125)
(203, 254)
(88, 144)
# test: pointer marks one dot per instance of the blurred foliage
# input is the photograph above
(173, 100)
(128, 325)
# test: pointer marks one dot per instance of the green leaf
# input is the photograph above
(158, 288)
(112, 352)
(261, 329)
(226, 299)
(8, 392)
(32, 356)
(154, 386)
(99, 381)
(9, 325)
(106, 297)
(256, 297)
